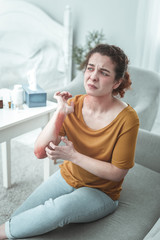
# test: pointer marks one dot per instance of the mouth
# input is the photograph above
(91, 86)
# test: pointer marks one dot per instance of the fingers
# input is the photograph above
(56, 95)
(60, 152)
(66, 141)
(50, 155)
(64, 95)
(63, 139)
(50, 150)
(52, 146)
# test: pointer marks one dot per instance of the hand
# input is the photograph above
(61, 152)
(62, 98)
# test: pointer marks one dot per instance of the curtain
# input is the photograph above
(148, 35)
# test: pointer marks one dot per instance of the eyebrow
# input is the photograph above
(103, 69)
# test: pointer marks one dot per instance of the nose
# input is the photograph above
(94, 76)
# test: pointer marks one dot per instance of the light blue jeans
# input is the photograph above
(54, 204)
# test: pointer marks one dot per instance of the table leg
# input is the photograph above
(47, 161)
(6, 163)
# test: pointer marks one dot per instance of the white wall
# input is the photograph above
(115, 17)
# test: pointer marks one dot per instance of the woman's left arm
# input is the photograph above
(99, 168)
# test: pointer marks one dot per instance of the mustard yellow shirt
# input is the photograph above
(114, 143)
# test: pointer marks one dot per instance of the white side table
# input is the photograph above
(16, 122)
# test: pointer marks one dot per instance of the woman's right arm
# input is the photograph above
(50, 133)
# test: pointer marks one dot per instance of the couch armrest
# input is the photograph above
(148, 150)
(147, 111)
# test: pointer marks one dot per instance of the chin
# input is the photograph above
(91, 93)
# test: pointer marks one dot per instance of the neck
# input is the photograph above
(98, 104)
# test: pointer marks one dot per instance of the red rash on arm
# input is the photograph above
(39, 150)
(58, 124)
(40, 153)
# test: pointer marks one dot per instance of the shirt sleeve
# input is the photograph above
(124, 150)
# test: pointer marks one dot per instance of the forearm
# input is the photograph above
(49, 134)
(99, 168)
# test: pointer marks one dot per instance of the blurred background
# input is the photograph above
(133, 25)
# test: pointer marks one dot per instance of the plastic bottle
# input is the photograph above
(18, 96)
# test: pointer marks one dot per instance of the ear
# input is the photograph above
(117, 83)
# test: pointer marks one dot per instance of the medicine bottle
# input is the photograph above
(9, 100)
(1, 102)
(18, 96)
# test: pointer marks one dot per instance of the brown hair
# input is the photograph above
(121, 61)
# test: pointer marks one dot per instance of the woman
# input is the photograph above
(101, 133)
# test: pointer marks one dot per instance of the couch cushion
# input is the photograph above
(137, 212)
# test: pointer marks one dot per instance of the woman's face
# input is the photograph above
(99, 76)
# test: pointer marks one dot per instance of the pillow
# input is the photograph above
(14, 68)
(23, 43)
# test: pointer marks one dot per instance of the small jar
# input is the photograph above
(1, 102)
(18, 96)
(9, 100)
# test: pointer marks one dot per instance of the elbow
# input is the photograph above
(40, 153)
(118, 179)
(120, 175)
(113, 178)
(117, 174)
